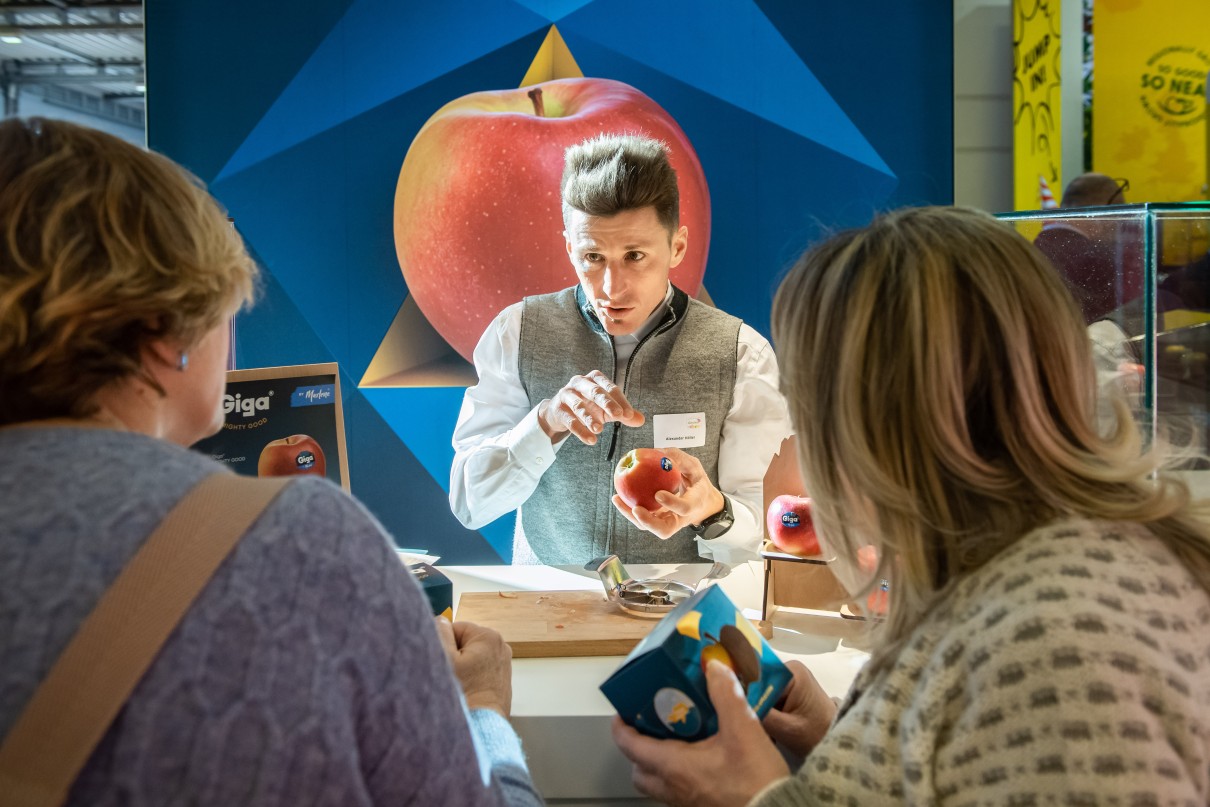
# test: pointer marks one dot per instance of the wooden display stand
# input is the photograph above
(805, 584)
(808, 586)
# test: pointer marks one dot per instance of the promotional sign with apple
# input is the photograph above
(478, 219)
(281, 421)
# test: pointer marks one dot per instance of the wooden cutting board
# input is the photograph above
(543, 624)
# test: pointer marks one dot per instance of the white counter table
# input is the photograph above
(560, 713)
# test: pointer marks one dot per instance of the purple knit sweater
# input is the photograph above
(308, 672)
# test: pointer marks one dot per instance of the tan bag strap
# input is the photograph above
(90, 682)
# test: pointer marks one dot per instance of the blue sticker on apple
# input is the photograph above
(789, 519)
(666, 463)
(305, 460)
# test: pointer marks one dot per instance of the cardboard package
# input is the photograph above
(437, 587)
(660, 689)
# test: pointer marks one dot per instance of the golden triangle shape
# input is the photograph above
(553, 60)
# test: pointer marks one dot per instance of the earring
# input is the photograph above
(184, 362)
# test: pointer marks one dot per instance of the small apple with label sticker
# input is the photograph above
(641, 473)
(298, 454)
(790, 525)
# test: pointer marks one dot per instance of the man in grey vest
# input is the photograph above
(571, 381)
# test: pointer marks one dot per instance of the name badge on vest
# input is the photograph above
(680, 431)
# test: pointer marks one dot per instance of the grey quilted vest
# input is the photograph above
(686, 364)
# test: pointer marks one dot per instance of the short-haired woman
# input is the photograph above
(309, 670)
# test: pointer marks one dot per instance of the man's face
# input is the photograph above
(622, 262)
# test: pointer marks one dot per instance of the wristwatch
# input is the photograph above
(717, 524)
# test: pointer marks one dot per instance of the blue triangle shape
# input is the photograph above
(400, 46)
(770, 80)
(553, 10)
(423, 418)
(409, 503)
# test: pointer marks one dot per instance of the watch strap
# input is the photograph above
(717, 524)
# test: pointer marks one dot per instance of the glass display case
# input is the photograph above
(1141, 276)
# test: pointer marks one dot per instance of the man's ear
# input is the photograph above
(680, 244)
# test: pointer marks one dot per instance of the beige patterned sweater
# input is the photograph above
(1074, 669)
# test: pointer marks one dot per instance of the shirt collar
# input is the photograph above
(647, 327)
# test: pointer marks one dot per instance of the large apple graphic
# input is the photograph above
(642, 472)
(735, 650)
(478, 219)
(298, 454)
(716, 652)
(790, 525)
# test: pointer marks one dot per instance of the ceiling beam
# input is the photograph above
(19, 6)
(34, 64)
(126, 111)
(40, 41)
(76, 28)
(18, 73)
(28, 81)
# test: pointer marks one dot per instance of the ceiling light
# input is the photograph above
(140, 88)
(10, 36)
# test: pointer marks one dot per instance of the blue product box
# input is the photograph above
(660, 689)
(437, 587)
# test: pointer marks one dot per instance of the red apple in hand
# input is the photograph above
(478, 217)
(790, 526)
(298, 454)
(641, 473)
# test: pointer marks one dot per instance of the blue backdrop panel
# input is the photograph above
(300, 124)
(231, 73)
(277, 334)
(381, 50)
(406, 498)
(733, 53)
(889, 65)
(424, 419)
(326, 206)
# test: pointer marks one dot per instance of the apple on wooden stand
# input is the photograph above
(642, 472)
(478, 217)
(791, 528)
(296, 455)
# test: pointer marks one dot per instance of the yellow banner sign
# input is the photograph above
(1150, 62)
(1036, 103)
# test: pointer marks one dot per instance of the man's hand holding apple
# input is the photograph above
(584, 406)
(699, 499)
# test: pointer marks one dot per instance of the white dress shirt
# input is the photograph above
(501, 452)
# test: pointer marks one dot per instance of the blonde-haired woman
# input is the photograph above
(309, 669)
(1048, 638)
